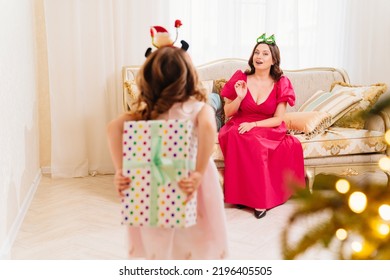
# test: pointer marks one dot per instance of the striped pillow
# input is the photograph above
(335, 104)
(369, 94)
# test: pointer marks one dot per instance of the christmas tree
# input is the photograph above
(352, 216)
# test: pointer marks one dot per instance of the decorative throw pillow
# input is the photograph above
(311, 103)
(132, 93)
(218, 85)
(215, 102)
(369, 96)
(336, 104)
(310, 123)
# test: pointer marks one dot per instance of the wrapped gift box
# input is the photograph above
(156, 155)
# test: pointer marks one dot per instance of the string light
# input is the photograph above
(341, 234)
(342, 186)
(387, 137)
(384, 163)
(357, 202)
(384, 212)
(357, 246)
(383, 229)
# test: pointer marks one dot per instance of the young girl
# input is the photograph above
(168, 84)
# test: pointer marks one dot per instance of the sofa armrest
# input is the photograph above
(378, 118)
(385, 114)
(380, 121)
(376, 122)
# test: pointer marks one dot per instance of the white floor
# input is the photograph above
(78, 219)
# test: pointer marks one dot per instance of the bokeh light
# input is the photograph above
(341, 234)
(357, 246)
(357, 202)
(387, 137)
(383, 229)
(342, 186)
(384, 212)
(384, 163)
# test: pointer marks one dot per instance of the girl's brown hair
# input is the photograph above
(167, 77)
(275, 72)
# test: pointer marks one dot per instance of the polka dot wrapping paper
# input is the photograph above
(156, 155)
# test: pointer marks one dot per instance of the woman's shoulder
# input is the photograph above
(283, 80)
(283, 83)
(285, 91)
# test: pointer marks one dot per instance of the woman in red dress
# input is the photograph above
(261, 159)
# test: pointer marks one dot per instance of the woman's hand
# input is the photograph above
(241, 89)
(121, 182)
(245, 127)
(191, 184)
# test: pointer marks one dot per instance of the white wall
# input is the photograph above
(19, 140)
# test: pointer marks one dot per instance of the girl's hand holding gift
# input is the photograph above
(191, 184)
(121, 182)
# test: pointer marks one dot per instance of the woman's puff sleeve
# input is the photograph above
(285, 91)
(228, 91)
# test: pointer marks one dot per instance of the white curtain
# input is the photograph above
(367, 41)
(88, 43)
(229, 28)
(351, 34)
(90, 40)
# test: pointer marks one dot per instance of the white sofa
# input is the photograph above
(337, 150)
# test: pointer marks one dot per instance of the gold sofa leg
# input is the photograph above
(310, 174)
(388, 177)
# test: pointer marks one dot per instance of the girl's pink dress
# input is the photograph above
(205, 240)
(260, 165)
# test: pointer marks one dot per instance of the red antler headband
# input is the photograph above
(161, 38)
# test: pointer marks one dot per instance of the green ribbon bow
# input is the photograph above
(163, 170)
(263, 39)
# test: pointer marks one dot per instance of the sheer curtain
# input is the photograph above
(352, 34)
(229, 28)
(367, 41)
(90, 40)
(88, 43)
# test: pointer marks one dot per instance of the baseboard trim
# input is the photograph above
(5, 252)
(46, 170)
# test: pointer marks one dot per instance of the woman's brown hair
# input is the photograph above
(275, 72)
(167, 77)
